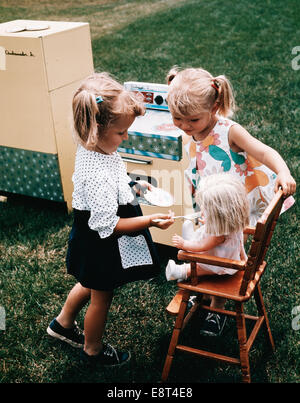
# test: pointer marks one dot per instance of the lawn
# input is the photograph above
(252, 43)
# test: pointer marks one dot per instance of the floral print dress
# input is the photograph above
(213, 155)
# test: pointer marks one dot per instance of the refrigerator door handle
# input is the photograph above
(137, 161)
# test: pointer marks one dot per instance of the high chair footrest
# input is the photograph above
(208, 354)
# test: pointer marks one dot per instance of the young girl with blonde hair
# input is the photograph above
(109, 244)
(201, 105)
(225, 212)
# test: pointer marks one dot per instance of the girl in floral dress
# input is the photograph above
(201, 106)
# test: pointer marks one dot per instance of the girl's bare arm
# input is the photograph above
(241, 140)
(134, 224)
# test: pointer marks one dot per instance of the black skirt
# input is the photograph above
(96, 262)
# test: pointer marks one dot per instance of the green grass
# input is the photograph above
(250, 42)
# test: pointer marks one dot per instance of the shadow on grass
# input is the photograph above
(187, 368)
(26, 219)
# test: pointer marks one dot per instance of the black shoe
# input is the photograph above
(197, 298)
(213, 324)
(73, 336)
(108, 357)
(192, 300)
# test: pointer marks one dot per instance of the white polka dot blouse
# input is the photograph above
(100, 185)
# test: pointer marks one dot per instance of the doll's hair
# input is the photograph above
(193, 90)
(224, 203)
(98, 102)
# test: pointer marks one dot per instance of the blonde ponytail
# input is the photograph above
(225, 98)
(171, 74)
(85, 110)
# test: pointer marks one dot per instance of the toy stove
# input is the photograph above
(153, 152)
(153, 134)
(154, 94)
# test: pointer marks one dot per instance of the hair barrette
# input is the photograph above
(99, 99)
(216, 85)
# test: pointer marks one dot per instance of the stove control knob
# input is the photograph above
(158, 99)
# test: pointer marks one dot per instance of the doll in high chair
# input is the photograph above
(225, 212)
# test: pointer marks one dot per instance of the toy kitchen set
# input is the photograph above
(41, 65)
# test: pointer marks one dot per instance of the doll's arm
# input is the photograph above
(197, 246)
(240, 138)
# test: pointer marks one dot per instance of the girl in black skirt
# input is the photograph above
(109, 244)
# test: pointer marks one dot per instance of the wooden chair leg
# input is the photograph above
(242, 338)
(175, 336)
(262, 311)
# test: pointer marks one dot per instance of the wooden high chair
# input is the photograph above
(239, 288)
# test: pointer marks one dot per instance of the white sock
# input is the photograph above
(176, 271)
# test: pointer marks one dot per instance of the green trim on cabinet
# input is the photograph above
(30, 173)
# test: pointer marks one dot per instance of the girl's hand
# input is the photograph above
(201, 219)
(167, 220)
(178, 241)
(287, 182)
(142, 185)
